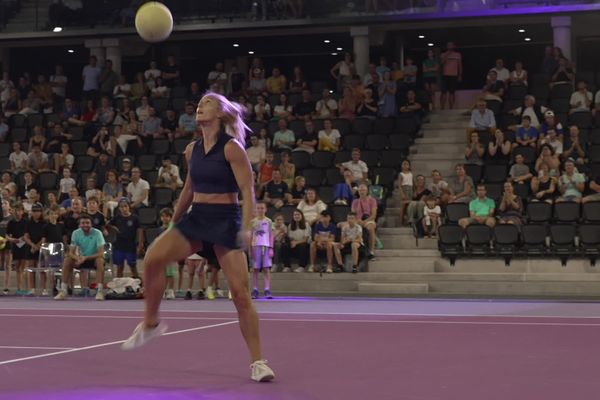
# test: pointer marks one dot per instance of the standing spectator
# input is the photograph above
(297, 82)
(218, 78)
(452, 70)
(543, 186)
(276, 83)
(329, 137)
(571, 183)
(347, 104)
(431, 70)
(519, 172)
(171, 74)
(502, 73)
(511, 207)
(15, 235)
(323, 240)
(383, 67)
(519, 76)
(308, 140)
(151, 74)
(563, 73)
(311, 206)
(263, 242)
(108, 79)
(296, 246)
(481, 210)
(371, 72)
(258, 83)
(461, 186)
(574, 147)
(549, 63)
(365, 207)
(358, 167)
(410, 71)
(327, 107)
(343, 71)
(129, 232)
(91, 79)
(138, 189)
(284, 138)
(482, 119)
(581, 99)
(387, 96)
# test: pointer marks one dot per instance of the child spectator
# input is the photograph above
(263, 241)
(171, 270)
(527, 135)
(519, 172)
(98, 219)
(323, 240)
(431, 217)
(128, 229)
(351, 241)
(66, 184)
(280, 234)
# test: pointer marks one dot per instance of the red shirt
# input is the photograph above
(364, 207)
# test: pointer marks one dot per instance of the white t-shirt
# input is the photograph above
(428, 211)
(266, 107)
(406, 178)
(262, 232)
(150, 75)
(279, 109)
(256, 154)
(556, 145)
(174, 170)
(66, 184)
(91, 77)
(59, 90)
(578, 97)
(530, 112)
(326, 112)
(333, 136)
(311, 211)
(358, 169)
(19, 160)
(503, 74)
(136, 191)
(119, 91)
(142, 113)
(160, 91)
(217, 76)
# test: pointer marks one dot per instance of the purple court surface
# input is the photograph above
(319, 348)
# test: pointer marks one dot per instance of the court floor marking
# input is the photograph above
(73, 350)
(261, 312)
(35, 348)
(424, 322)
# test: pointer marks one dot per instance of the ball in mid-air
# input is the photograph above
(154, 22)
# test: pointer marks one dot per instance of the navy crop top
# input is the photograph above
(212, 173)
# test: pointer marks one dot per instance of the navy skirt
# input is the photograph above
(212, 224)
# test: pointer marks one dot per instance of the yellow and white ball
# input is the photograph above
(154, 22)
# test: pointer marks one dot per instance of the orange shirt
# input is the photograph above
(451, 63)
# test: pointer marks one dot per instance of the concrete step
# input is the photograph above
(404, 264)
(402, 231)
(457, 149)
(531, 266)
(446, 167)
(393, 288)
(446, 132)
(407, 242)
(412, 252)
(441, 155)
(440, 140)
(516, 288)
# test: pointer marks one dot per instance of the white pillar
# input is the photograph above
(562, 34)
(96, 49)
(361, 48)
(113, 53)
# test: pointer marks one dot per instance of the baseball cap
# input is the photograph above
(37, 207)
(126, 159)
(123, 200)
(549, 113)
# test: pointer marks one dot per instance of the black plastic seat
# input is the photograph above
(456, 211)
(391, 158)
(377, 142)
(79, 148)
(534, 239)
(287, 212)
(591, 212)
(300, 159)
(339, 212)
(562, 241)
(517, 92)
(179, 145)
(321, 159)
(333, 176)
(18, 135)
(450, 242)
(362, 126)
(314, 176)
(147, 216)
(84, 163)
(495, 173)
(494, 105)
(479, 239)
(583, 119)
(160, 146)
(383, 176)
(506, 239)
(147, 162)
(406, 126)
(48, 180)
(384, 126)
(150, 234)
(327, 194)
(494, 191)
(474, 171)
(527, 152)
(522, 190)
(561, 91)
(342, 125)
(539, 212)
(163, 197)
(353, 141)
(400, 142)
(567, 212)
(589, 240)
(370, 157)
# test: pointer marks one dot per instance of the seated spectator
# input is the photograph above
(112, 191)
(324, 232)
(564, 74)
(297, 82)
(365, 207)
(187, 122)
(6, 183)
(438, 186)
(482, 119)
(287, 169)
(411, 108)
(101, 168)
(474, 151)
(532, 110)
(311, 206)
(52, 202)
(168, 175)
(276, 83)
(296, 245)
(151, 74)
(277, 193)
(264, 140)
(37, 160)
(43, 91)
(18, 159)
(543, 186)
(461, 187)
(105, 114)
(347, 104)
(409, 72)
(432, 216)
(329, 137)
(551, 122)
(256, 153)
(594, 188)
(284, 138)
(357, 166)
(257, 84)
(88, 114)
(195, 94)
(169, 125)
(265, 172)
(125, 172)
(298, 190)
(499, 149)
(125, 141)
(138, 189)
(64, 159)
(122, 89)
(151, 128)
(571, 183)
(28, 183)
(13, 104)
(218, 78)
(574, 147)
(552, 140)
(284, 109)
(160, 89)
(327, 107)
(501, 72)
(519, 172)
(511, 207)
(519, 76)
(100, 143)
(248, 108)
(170, 73)
(306, 108)
(367, 106)
(581, 99)
(481, 210)
(387, 96)
(414, 211)
(143, 110)
(351, 241)
(71, 113)
(262, 109)
(24, 86)
(527, 135)
(345, 192)
(31, 104)
(549, 158)
(92, 191)
(57, 138)
(108, 79)
(38, 138)
(342, 71)
(139, 88)
(237, 81)
(308, 139)
(494, 88)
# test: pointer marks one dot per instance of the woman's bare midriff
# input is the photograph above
(216, 198)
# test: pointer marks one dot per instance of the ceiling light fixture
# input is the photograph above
(334, 54)
(339, 49)
(421, 36)
(57, 29)
(521, 30)
(326, 41)
(430, 44)
(236, 45)
(71, 51)
(250, 52)
(527, 39)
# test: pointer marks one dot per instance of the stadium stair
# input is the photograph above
(24, 20)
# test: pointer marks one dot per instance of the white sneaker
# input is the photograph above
(287, 269)
(329, 269)
(62, 295)
(45, 292)
(170, 294)
(141, 335)
(311, 268)
(100, 295)
(299, 269)
(220, 294)
(261, 371)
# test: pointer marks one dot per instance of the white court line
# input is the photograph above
(56, 353)
(35, 348)
(314, 313)
(108, 316)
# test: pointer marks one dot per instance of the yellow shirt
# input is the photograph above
(276, 85)
(397, 75)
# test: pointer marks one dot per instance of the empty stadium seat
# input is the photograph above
(506, 239)
(352, 141)
(84, 163)
(300, 159)
(79, 147)
(495, 106)
(48, 180)
(163, 197)
(494, 190)
(562, 241)
(494, 173)
(583, 119)
(326, 193)
(160, 146)
(479, 239)
(384, 126)
(522, 190)
(561, 91)
(371, 158)
(18, 135)
(35, 120)
(147, 216)
(341, 157)
(474, 171)
(591, 212)
(362, 126)
(517, 92)
(589, 241)
(450, 242)
(391, 158)
(152, 233)
(146, 162)
(179, 145)
(333, 176)
(567, 212)
(400, 142)
(339, 212)
(321, 159)
(377, 142)
(534, 239)
(539, 212)
(384, 176)
(314, 176)
(343, 125)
